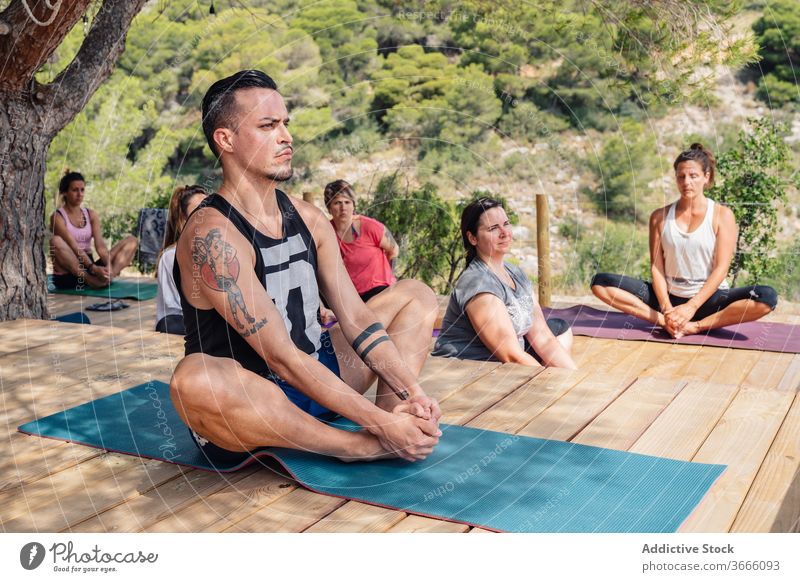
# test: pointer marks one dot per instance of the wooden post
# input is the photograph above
(543, 248)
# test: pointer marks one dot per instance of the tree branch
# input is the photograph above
(73, 87)
(31, 31)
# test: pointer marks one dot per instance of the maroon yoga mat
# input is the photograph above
(754, 335)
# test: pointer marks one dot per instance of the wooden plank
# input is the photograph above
(773, 501)
(725, 366)
(443, 377)
(356, 517)
(419, 524)
(585, 350)
(154, 505)
(740, 440)
(625, 419)
(293, 512)
(616, 356)
(77, 494)
(515, 410)
(767, 371)
(676, 362)
(27, 459)
(634, 365)
(681, 429)
(480, 530)
(469, 402)
(571, 413)
(47, 364)
(790, 382)
(247, 491)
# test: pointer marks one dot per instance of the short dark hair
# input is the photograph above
(703, 156)
(470, 217)
(67, 179)
(219, 102)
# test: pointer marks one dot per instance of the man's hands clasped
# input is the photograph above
(412, 428)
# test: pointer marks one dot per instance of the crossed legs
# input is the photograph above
(121, 255)
(725, 308)
(239, 410)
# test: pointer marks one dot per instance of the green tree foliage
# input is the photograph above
(421, 221)
(613, 247)
(778, 36)
(420, 95)
(344, 34)
(785, 273)
(113, 142)
(754, 182)
(622, 169)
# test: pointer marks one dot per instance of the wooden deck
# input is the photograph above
(735, 407)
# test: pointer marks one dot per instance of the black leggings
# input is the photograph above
(721, 298)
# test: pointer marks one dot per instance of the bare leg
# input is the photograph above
(241, 411)
(407, 310)
(737, 312)
(566, 339)
(66, 260)
(628, 303)
(122, 254)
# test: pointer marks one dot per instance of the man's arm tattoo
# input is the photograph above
(364, 335)
(361, 341)
(215, 261)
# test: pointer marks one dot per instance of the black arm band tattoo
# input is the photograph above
(368, 349)
(364, 335)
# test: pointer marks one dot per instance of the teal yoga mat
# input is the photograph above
(495, 480)
(117, 290)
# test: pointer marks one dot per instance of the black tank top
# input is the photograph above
(286, 268)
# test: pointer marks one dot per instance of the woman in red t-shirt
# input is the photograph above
(366, 245)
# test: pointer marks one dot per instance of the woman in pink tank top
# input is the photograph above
(74, 228)
(692, 243)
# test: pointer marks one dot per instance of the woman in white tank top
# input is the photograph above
(692, 242)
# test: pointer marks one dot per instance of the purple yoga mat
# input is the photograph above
(754, 335)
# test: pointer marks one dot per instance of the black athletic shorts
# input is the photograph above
(70, 281)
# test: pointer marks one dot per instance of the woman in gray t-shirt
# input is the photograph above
(492, 314)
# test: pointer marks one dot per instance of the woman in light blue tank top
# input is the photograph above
(692, 243)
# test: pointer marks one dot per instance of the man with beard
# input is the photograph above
(250, 266)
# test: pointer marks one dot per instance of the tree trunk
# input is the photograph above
(31, 114)
(22, 228)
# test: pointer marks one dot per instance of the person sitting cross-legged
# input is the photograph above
(250, 266)
(692, 242)
(74, 227)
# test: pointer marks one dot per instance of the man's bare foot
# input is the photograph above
(368, 449)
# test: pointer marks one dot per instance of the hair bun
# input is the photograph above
(697, 146)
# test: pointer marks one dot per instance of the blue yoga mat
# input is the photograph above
(496, 480)
(119, 289)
